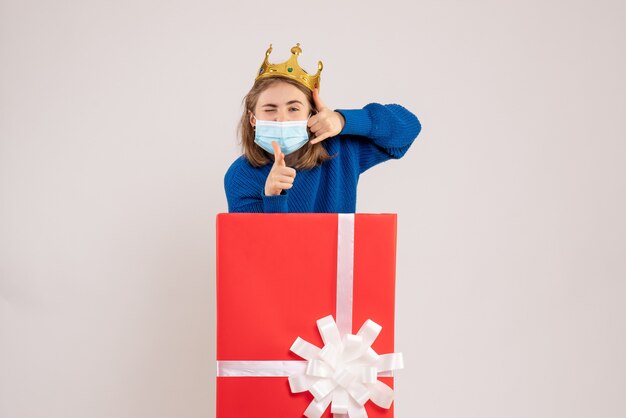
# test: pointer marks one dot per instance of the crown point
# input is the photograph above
(296, 50)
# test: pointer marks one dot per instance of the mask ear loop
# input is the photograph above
(307, 126)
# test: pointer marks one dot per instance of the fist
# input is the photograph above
(280, 177)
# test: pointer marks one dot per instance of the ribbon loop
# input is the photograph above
(359, 393)
(300, 383)
(329, 331)
(330, 354)
(304, 349)
(392, 361)
(322, 388)
(353, 347)
(318, 368)
(340, 402)
(369, 374)
(381, 394)
(317, 408)
(369, 332)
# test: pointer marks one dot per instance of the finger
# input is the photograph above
(315, 126)
(286, 171)
(319, 104)
(284, 185)
(315, 120)
(320, 138)
(279, 157)
(284, 179)
(276, 148)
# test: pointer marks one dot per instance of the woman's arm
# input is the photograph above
(380, 132)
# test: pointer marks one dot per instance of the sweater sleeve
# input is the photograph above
(245, 192)
(276, 204)
(382, 132)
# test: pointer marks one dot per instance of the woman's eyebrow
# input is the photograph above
(288, 103)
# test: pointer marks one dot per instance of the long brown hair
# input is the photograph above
(306, 157)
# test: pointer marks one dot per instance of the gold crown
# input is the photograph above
(290, 69)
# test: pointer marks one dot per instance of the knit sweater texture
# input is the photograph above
(370, 136)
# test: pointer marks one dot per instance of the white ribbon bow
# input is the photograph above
(344, 373)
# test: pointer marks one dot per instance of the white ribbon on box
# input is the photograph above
(344, 373)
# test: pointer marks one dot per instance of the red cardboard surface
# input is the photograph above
(276, 276)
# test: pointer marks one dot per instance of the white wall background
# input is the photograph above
(117, 123)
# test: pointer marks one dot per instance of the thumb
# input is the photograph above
(279, 157)
(319, 104)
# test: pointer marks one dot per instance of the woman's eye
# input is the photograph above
(294, 109)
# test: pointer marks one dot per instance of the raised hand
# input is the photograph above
(326, 123)
(280, 177)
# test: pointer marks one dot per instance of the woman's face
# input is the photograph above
(281, 102)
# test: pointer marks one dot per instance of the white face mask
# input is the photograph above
(290, 135)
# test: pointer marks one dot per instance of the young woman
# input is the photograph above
(301, 156)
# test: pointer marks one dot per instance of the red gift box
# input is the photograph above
(277, 274)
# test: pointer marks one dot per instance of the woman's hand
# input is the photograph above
(280, 177)
(325, 123)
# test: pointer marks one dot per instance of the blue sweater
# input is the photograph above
(370, 136)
